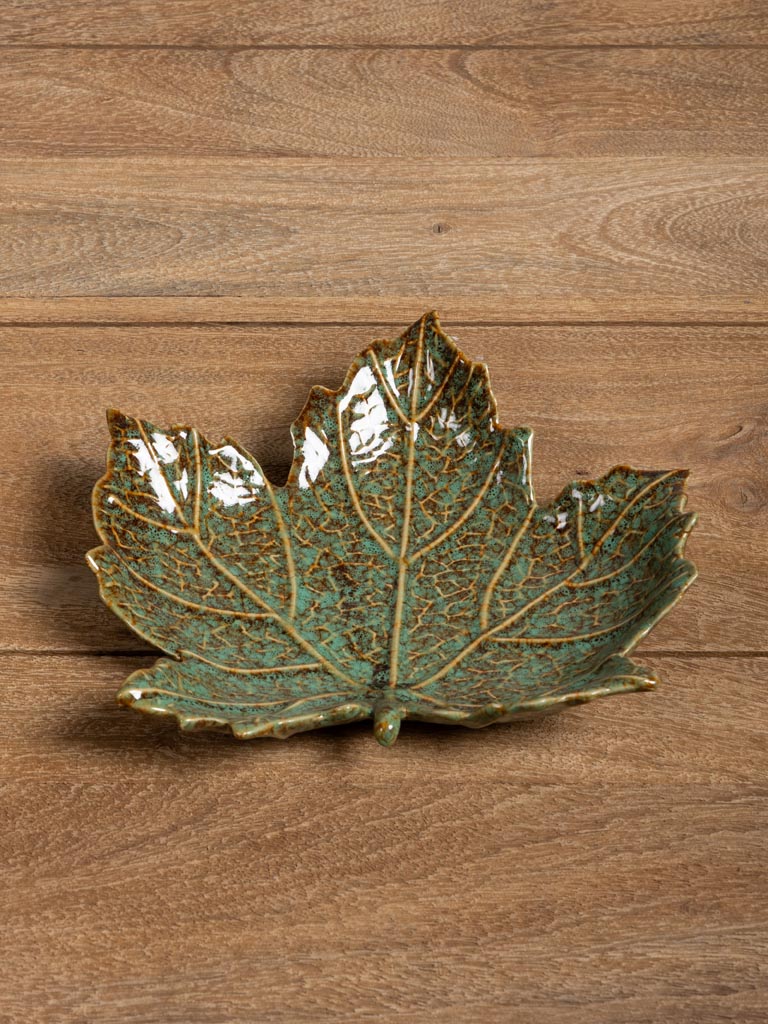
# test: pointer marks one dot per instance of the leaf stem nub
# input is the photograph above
(387, 717)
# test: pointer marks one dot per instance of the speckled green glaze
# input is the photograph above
(404, 571)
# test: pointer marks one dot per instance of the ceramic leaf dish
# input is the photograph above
(404, 570)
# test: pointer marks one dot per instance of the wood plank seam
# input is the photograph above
(346, 47)
(376, 325)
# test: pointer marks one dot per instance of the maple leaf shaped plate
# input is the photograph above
(404, 570)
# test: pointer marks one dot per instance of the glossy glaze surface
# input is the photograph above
(404, 571)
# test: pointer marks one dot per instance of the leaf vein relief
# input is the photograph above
(383, 544)
(403, 571)
(405, 532)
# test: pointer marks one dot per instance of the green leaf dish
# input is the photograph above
(403, 571)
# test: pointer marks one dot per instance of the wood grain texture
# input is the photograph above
(392, 22)
(602, 865)
(500, 308)
(478, 103)
(674, 397)
(272, 227)
(254, 190)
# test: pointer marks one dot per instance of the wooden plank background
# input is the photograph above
(207, 207)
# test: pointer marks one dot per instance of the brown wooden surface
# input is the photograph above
(646, 227)
(473, 103)
(601, 865)
(205, 208)
(497, 308)
(212, 23)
